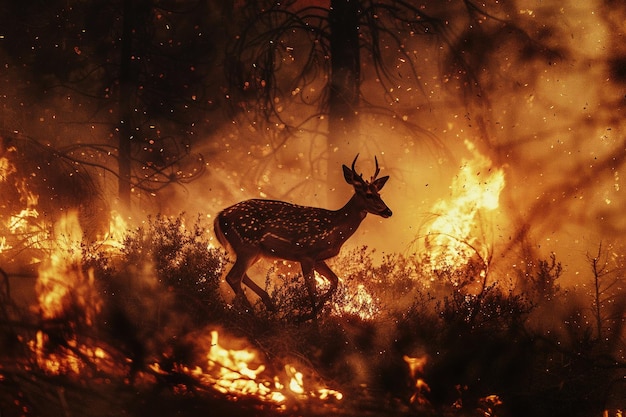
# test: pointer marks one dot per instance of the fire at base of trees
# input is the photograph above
(140, 325)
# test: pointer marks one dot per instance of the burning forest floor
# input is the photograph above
(141, 326)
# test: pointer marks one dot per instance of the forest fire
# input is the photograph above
(457, 234)
(69, 302)
(24, 228)
(496, 289)
(73, 359)
(61, 282)
(240, 372)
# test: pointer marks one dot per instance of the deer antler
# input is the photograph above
(354, 162)
(377, 170)
(353, 170)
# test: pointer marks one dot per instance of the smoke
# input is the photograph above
(543, 99)
(538, 88)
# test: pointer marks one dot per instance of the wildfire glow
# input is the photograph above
(356, 301)
(451, 238)
(70, 359)
(416, 370)
(24, 227)
(114, 238)
(62, 287)
(238, 372)
(349, 299)
(62, 281)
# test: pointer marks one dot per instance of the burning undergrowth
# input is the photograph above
(140, 324)
(138, 321)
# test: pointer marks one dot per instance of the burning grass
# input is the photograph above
(143, 326)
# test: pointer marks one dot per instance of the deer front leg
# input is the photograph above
(327, 273)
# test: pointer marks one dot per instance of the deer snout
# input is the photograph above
(386, 213)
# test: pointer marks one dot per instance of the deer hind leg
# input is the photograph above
(309, 279)
(260, 292)
(325, 271)
(237, 274)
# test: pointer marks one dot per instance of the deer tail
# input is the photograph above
(219, 234)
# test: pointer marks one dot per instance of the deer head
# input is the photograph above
(368, 191)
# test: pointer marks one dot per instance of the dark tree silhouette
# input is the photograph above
(290, 48)
(140, 73)
(301, 66)
(345, 74)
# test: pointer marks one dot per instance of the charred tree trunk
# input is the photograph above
(345, 69)
(345, 77)
(125, 105)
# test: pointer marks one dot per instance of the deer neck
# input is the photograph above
(353, 213)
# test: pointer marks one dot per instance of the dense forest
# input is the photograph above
(495, 288)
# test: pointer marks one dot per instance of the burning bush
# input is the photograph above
(140, 324)
(184, 262)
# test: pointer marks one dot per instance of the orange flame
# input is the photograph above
(63, 287)
(24, 227)
(69, 359)
(451, 238)
(349, 299)
(62, 281)
(420, 387)
(239, 372)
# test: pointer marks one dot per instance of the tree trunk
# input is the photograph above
(344, 84)
(345, 68)
(125, 105)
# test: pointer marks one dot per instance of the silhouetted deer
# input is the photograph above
(308, 235)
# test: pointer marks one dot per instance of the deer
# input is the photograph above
(275, 229)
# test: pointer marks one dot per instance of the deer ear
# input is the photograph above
(380, 183)
(348, 174)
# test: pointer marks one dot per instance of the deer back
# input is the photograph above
(289, 231)
(284, 230)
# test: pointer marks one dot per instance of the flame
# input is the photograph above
(113, 240)
(61, 280)
(233, 369)
(69, 359)
(239, 372)
(450, 238)
(488, 404)
(420, 387)
(66, 295)
(354, 300)
(64, 288)
(25, 229)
